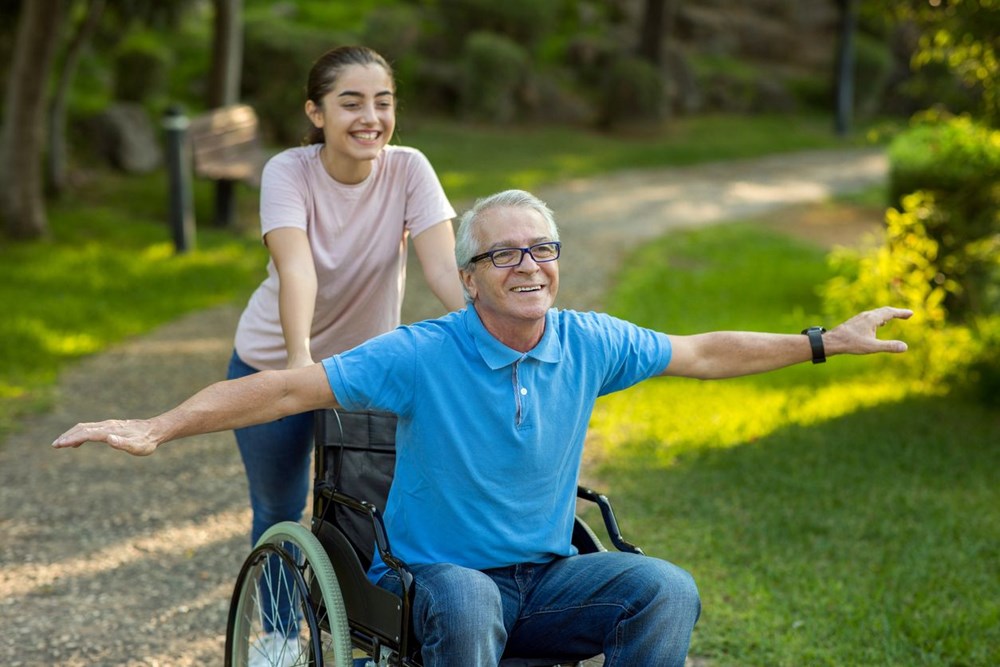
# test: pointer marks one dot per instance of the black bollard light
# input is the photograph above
(181, 204)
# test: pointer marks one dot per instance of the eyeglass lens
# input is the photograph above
(542, 252)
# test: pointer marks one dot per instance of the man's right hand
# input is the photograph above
(128, 435)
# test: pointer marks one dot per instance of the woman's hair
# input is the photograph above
(467, 239)
(327, 69)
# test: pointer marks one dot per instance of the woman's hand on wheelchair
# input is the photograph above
(133, 436)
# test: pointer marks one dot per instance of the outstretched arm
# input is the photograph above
(723, 354)
(254, 399)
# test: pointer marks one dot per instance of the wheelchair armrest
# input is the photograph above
(378, 526)
(610, 522)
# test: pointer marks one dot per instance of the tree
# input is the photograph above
(22, 139)
(227, 53)
(845, 65)
(964, 36)
(224, 87)
(56, 163)
(656, 24)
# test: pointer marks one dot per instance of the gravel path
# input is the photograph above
(112, 560)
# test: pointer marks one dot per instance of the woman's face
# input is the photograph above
(358, 118)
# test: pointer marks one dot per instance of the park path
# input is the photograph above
(112, 560)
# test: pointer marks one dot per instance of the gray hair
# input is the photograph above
(467, 241)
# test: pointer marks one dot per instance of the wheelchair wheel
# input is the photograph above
(287, 608)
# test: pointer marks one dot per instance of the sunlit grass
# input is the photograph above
(832, 515)
(724, 414)
(107, 273)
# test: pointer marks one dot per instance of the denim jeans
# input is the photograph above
(277, 459)
(637, 610)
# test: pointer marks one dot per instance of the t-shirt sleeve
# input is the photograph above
(282, 194)
(376, 375)
(426, 202)
(632, 353)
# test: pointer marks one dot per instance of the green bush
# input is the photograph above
(958, 162)
(525, 22)
(140, 68)
(910, 270)
(494, 69)
(276, 61)
(633, 91)
(943, 154)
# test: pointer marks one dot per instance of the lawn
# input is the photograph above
(832, 515)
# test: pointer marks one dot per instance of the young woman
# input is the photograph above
(335, 215)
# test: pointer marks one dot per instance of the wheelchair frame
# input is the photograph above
(342, 610)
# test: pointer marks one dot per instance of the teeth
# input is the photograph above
(367, 136)
(527, 289)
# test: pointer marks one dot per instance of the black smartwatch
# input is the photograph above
(816, 342)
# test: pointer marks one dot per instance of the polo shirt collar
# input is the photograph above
(497, 355)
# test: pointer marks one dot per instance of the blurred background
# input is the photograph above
(842, 517)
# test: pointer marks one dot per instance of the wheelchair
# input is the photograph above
(316, 579)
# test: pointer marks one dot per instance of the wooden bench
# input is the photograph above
(226, 148)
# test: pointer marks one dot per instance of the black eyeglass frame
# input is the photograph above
(527, 250)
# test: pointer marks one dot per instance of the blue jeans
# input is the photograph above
(637, 610)
(277, 459)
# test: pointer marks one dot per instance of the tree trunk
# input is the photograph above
(56, 164)
(227, 53)
(651, 31)
(845, 67)
(224, 88)
(22, 142)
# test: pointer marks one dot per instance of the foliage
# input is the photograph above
(494, 68)
(962, 36)
(522, 21)
(277, 59)
(907, 272)
(140, 68)
(831, 515)
(633, 91)
(958, 162)
(945, 154)
(941, 254)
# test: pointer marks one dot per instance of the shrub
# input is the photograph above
(140, 68)
(633, 90)
(494, 69)
(524, 22)
(958, 162)
(905, 272)
(943, 154)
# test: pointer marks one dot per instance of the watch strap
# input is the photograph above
(815, 335)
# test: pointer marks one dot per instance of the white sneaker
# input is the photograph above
(276, 650)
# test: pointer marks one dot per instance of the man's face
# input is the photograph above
(519, 295)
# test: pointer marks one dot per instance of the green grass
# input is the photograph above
(109, 272)
(832, 515)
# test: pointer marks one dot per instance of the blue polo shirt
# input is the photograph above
(489, 440)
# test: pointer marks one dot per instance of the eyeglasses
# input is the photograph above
(504, 258)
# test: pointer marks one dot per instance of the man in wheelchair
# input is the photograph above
(493, 403)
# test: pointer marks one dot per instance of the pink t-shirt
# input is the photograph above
(358, 234)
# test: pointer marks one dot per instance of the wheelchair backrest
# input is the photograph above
(356, 454)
